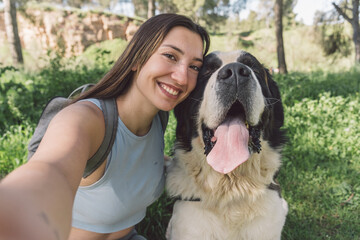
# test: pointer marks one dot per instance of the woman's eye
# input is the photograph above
(196, 68)
(170, 56)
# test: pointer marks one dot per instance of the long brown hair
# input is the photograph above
(144, 43)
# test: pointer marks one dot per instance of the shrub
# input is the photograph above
(24, 95)
(296, 86)
(13, 147)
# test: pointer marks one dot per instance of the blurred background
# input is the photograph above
(312, 48)
(314, 35)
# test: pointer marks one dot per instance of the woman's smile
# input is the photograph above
(170, 91)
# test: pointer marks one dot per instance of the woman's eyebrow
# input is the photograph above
(181, 51)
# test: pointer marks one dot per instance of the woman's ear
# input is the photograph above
(134, 68)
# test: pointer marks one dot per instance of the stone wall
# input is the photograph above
(71, 31)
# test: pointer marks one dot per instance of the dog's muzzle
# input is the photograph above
(233, 133)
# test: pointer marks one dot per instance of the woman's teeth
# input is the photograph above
(169, 90)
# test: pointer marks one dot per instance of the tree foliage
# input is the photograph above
(334, 41)
(140, 7)
(265, 12)
(331, 27)
(215, 12)
(102, 4)
(210, 13)
(350, 12)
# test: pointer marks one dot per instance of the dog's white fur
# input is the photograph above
(234, 206)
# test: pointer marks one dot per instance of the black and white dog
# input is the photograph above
(227, 151)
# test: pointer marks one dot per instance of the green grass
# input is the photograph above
(321, 166)
(13, 147)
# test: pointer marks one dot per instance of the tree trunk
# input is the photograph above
(356, 30)
(354, 21)
(151, 8)
(12, 31)
(279, 36)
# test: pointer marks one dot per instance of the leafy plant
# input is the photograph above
(13, 147)
(24, 95)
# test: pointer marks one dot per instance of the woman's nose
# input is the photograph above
(180, 74)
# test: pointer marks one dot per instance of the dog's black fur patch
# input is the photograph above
(272, 118)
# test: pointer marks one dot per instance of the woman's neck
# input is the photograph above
(136, 114)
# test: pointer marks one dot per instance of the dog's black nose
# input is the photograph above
(234, 70)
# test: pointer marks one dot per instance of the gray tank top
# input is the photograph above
(133, 179)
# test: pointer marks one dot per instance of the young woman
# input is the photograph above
(47, 198)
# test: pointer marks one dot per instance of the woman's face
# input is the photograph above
(170, 73)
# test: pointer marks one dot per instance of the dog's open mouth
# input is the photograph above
(232, 142)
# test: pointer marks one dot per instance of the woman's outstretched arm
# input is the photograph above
(36, 199)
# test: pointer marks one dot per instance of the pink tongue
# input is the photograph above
(231, 148)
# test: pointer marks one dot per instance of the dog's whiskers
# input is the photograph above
(194, 99)
(271, 101)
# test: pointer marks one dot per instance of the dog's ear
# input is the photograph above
(276, 103)
(186, 114)
(185, 125)
(274, 113)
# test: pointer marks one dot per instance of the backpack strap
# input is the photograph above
(110, 113)
(51, 109)
(111, 122)
(82, 89)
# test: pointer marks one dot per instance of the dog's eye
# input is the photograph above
(255, 70)
(209, 69)
(207, 72)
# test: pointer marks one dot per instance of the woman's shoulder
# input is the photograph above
(83, 117)
(73, 136)
(93, 101)
(89, 109)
